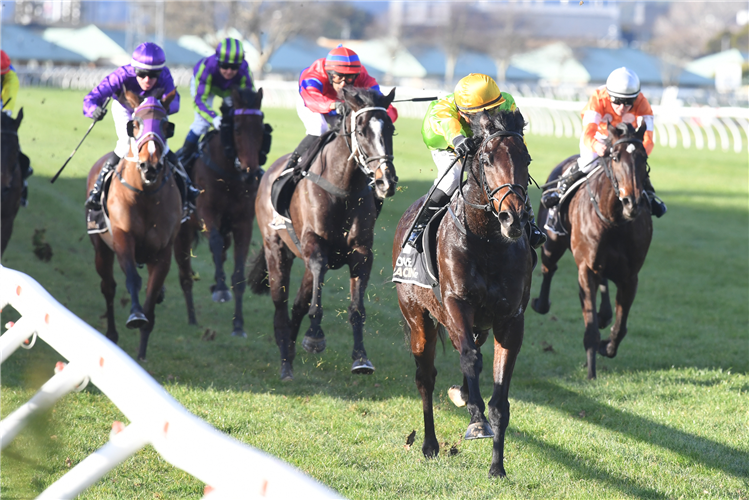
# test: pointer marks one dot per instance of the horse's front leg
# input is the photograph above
(551, 252)
(360, 267)
(218, 244)
(105, 268)
(625, 297)
(182, 247)
(508, 337)
(157, 272)
(242, 236)
(460, 326)
(588, 282)
(316, 260)
(279, 261)
(126, 257)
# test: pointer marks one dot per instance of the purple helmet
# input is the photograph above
(148, 56)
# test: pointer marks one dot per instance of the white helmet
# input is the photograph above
(623, 83)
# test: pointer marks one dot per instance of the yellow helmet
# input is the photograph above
(477, 92)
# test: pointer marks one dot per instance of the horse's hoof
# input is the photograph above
(239, 333)
(136, 320)
(603, 349)
(362, 366)
(497, 471)
(479, 430)
(287, 372)
(221, 296)
(455, 396)
(161, 295)
(430, 451)
(538, 307)
(313, 345)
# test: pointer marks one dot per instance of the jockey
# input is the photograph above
(319, 85)
(147, 73)
(9, 92)
(446, 131)
(618, 101)
(214, 76)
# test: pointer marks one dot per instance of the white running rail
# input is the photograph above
(230, 469)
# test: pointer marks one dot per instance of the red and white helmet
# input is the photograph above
(342, 61)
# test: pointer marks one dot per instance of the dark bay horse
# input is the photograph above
(485, 263)
(333, 212)
(144, 210)
(226, 206)
(11, 177)
(609, 231)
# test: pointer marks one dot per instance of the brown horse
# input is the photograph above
(609, 229)
(484, 263)
(226, 207)
(333, 212)
(11, 177)
(144, 210)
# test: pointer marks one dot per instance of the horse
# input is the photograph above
(145, 210)
(226, 206)
(333, 212)
(484, 263)
(11, 177)
(609, 229)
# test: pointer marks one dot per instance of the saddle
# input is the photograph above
(553, 183)
(420, 268)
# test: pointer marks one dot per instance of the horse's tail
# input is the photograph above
(258, 276)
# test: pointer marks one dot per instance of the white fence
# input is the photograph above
(675, 126)
(230, 469)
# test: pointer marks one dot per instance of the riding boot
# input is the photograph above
(536, 237)
(190, 147)
(187, 190)
(437, 200)
(551, 198)
(657, 207)
(93, 201)
(298, 153)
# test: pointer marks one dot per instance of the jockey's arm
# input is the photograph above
(445, 121)
(107, 88)
(311, 91)
(10, 90)
(644, 114)
(246, 79)
(168, 85)
(202, 82)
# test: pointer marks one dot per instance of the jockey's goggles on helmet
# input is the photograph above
(627, 101)
(338, 78)
(229, 66)
(151, 73)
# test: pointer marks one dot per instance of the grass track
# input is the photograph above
(667, 418)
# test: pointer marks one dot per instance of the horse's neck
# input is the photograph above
(607, 197)
(478, 221)
(334, 165)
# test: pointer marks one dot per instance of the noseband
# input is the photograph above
(361, 158)
(483, 157)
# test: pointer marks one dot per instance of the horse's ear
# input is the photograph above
(131, 128)
(640, 134)
(167, 99)
(613, 131)
(259, 97)
(389, 98)
(168, 128)
(19, 118)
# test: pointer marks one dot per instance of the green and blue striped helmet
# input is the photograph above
(230, 51)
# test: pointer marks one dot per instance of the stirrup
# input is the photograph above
(414, 238)
(554, 224)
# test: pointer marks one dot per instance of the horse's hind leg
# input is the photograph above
(217, 243)
(242, 237)
(508, 339)
(625, 296)
(317, 263)
(604, 310)
(360, 266)
(588, 283)
(182, 246)
(157, 271)
(105, 268)
(552, 251)
(279, 262)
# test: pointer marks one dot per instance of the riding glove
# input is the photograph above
(99, 113)
(217, 122)
(464, 145)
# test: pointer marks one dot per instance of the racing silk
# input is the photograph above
(443, 122)
(10, 89)
(123, 78)
(208, 81)
(318, 93)
(599, 112)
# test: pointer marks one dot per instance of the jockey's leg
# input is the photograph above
(314, 124)
(657, 207)
(188, 192)
(550, 199)
(120, 116)
(536, 237)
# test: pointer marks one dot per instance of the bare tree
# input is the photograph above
(193, 18)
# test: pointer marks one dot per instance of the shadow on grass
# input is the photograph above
(694, 448)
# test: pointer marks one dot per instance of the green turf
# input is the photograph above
(667, 418)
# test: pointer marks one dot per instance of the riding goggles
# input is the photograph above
(229, 66)
(627, 101)
(338, 78)
(144, 73)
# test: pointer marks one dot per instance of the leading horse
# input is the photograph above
(333, 210)
(226, 206)
(11, 177)
(609, 229)
(484, 263)
(144, 209)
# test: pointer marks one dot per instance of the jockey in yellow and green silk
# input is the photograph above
(9, 92)
(446, 131)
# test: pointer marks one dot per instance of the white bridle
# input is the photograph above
(357, 154)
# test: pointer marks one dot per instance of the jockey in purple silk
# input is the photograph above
(146, 76)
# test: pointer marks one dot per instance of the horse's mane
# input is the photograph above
(503, 121)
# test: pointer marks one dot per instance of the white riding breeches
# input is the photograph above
(314, 123)
(442, 159)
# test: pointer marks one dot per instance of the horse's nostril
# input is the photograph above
(505, 218)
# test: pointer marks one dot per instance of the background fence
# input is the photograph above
(675, 126)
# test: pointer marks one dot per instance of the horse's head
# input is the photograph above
(626, 166)
(371, 131)
(500, 168)
(9, 149)
(149, 130)
(247, 124)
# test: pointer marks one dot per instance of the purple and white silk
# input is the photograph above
(148, 56)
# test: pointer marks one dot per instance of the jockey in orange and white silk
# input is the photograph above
(599, 112)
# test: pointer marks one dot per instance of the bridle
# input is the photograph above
(361, 158)
(483, 158)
